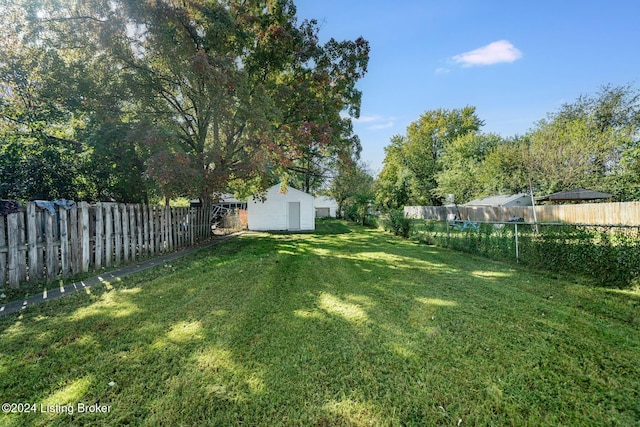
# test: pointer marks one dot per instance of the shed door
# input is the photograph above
(294, 215)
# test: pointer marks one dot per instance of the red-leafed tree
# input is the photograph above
(232, 90)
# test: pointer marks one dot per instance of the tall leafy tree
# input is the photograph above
(584, 143)
(64, 105)
(462, 165)
(414, 160)
(394, 185)
(504, 170)
(219, 77)
(204, 93)
(353, 189)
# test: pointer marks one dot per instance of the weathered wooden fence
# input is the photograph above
(624, 213)
(35, 244)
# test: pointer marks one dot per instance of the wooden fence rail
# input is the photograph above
(622, 213)
(34, 244)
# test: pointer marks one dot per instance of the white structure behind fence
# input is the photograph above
(35, 244)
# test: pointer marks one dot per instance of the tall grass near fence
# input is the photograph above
(608, 254)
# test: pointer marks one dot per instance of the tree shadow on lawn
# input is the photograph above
(294, 329)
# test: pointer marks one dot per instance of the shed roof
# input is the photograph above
(575, 195)
(501, 200)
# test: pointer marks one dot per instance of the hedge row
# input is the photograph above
(610, 255)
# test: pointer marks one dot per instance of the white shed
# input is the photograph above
(325, 207)
(291, 210)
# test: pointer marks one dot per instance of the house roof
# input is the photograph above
(501, 200)
(325, 200)
(576, 194)
(289, 189)
(229, 198)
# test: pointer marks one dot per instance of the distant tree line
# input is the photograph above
(134, 99)
(593, 142)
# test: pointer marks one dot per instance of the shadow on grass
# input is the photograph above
(348, 328)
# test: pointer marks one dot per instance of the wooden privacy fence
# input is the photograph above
(623, 213)
(35, 244)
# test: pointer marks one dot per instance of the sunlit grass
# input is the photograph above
(347, 326)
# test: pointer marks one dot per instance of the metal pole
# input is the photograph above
(533, 205)
(516, 232)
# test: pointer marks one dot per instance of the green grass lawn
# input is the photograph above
(346, 326)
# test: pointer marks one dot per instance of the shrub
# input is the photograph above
(397, 223)
(607, 254)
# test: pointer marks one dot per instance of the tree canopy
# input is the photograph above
(185, 97)
(593, 142)
(413, 162)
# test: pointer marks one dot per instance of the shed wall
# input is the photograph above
(273, 213)
(327, 202)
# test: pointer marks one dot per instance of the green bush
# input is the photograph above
(609, 255)
(397, 223)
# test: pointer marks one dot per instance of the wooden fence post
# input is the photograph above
(64, 241)
(163, 224)
(86, 239)
(117, 221)
(51, 255)
(12, 254)
(99, 236)
(144, 225)
(108, 233)
(132, 233)
(158, 212)
(35, 272)
(152, 231)
(22, 248)
(73, 223)
(3, 253)
(139, 229)
(125, 232)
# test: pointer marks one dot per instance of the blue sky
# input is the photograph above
(515, 61)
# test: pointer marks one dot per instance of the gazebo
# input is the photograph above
(575, 195)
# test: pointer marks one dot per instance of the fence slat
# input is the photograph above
(3, 253)
(139, 229)
(99, 255)
(160, 228)
(108, 234)
(152, 231)
(132, 233)
(74, 243)
(64, 242)
(125, 232)
(12, 254)
(85, 242)
(35, 271)
(51, 255)
(144, 228)
(22, 248)
(118, 232)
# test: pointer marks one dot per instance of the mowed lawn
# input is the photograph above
(346, 326)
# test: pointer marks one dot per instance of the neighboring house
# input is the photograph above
(326, 207)
(520, 199)
(281, 210)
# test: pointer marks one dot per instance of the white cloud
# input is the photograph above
(367, 119)
(493, 53)
(441, 71)
(376, 122)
